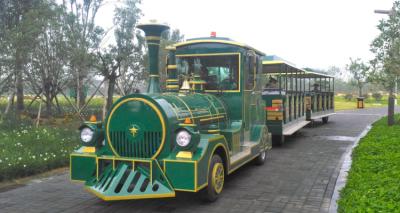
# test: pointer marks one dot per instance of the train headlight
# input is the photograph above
(91, 134)
(183, 138)
(87, 135)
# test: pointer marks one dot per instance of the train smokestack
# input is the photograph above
(153, 32)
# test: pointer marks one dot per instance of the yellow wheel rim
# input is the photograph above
(218, 177)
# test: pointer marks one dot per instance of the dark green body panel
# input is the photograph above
(82, 167)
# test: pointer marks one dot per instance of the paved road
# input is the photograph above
(298, 177)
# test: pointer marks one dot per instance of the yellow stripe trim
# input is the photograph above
(153, 38)
(172, 87)
(129, 197)
(273, 62)
(218, 41)
(214, 118)
(171, 66)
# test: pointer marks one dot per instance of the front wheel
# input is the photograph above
(216, 178)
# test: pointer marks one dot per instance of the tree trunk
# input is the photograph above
(19, 82)
(105, 102)
(9, 103)
(360, 91)
(47, 95)
(49, 110)
(81, 92)
(391, 108)
(110, 92)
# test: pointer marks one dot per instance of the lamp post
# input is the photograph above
(392, 102)
(389, 12)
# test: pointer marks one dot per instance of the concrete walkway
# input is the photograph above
(300, 176)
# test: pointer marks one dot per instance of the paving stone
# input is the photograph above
(300, 176)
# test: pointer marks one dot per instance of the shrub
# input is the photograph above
(348, 97)
(366, 96)
(26, 150)
(377, 96)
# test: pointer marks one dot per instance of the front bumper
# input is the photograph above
(114, 178)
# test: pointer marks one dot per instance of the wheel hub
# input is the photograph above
(218, 177)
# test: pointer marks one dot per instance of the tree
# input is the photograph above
(359, 72)
(16, 41)
(47, 72)
(125, 50)
(83, 38)
(386, 47)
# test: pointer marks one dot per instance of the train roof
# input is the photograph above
(285, 65)
(220, 40)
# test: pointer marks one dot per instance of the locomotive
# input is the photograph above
(209, 121)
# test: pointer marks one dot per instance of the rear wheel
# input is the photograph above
(260, 160)
(216, 179)
(325, 119)
(278, 140)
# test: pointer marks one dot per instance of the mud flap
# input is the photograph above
(124, 180)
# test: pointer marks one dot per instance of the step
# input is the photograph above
(246, 151)
(290, 128)
(322, 114)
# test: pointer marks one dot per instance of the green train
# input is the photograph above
(212, 118)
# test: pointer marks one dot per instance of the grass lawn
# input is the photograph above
(373, 183)
(27, 150)
(342, 104)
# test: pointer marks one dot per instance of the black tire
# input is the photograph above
(325, 119)
(209, 194)
(260, 159)
(278, 140)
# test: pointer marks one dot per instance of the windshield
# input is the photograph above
(219, 72)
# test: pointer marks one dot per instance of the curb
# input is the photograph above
(345, 161)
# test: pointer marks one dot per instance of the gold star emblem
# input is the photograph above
(133, 130)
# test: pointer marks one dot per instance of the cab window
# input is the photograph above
(219, 72)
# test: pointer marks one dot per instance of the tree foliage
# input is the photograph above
(359, 72)
(386, 48)
(127, 49)
(49, 46)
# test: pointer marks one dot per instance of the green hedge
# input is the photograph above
(373, 183)
(27, 150)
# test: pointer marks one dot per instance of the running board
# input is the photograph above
(321, 116)
(246, 152)
(291, 128)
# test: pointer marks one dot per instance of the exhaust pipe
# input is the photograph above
(153, 32)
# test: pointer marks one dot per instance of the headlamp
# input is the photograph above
(87, 135)
(183, 138)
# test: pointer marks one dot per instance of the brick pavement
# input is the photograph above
(298, 177)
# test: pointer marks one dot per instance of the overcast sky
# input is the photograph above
(308, 33)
